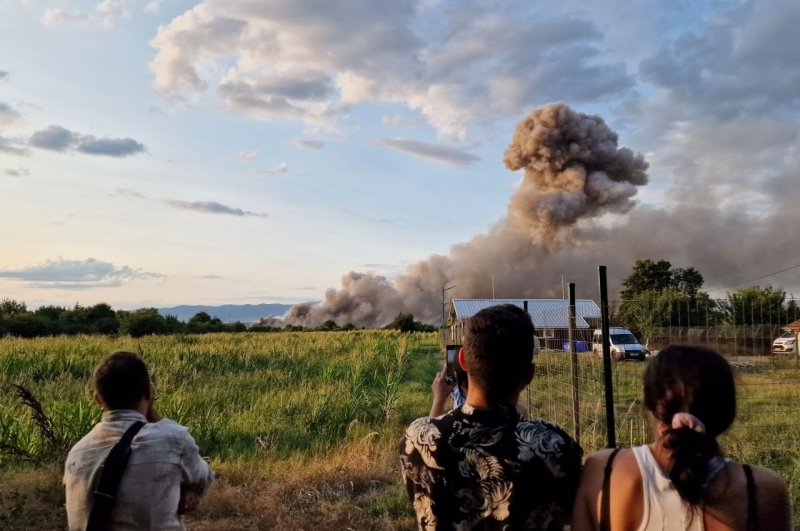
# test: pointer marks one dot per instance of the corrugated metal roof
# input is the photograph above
(546, 313)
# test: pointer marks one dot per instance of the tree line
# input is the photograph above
(19, 321)
(657, 295)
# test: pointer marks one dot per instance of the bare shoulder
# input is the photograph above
(624, 466)
(768, 480)
(598, 459)
(594, 469)
(772, 499)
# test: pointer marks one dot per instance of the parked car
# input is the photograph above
(624, 345)
(785, 344)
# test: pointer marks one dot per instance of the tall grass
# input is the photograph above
(766, 431)
(242, 396)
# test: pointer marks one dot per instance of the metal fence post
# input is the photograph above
(573, 351)
(525, 309)
(607, 376)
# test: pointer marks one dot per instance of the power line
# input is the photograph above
(754, 279)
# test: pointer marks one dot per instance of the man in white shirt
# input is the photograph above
(165, 475)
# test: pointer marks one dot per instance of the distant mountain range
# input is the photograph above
(246, 313)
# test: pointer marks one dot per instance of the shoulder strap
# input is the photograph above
(110, 476)
(752, 509)
(605, 507)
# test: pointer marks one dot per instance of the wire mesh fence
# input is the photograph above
(758, 337)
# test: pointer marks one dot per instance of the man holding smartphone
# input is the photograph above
(164, 475)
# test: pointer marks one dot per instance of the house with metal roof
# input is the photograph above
(550, 318)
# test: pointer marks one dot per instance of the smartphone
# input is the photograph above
(451, 357)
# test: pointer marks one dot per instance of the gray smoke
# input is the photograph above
(574, 170)
(574, 173)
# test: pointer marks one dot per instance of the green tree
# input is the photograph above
(143, 322)
(328, 326)
(12, 307)
(50, 312)
(756, 305)
(648, 312)
(687, 281)
(648, 276)
(200, 318)
(792, 311)
(403, 322)
(28, 325)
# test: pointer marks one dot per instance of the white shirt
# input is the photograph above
(164, 458)
(664, 509)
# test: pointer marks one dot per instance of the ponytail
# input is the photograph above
(691, 453)
(691, 390)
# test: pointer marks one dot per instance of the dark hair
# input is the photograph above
(498, 348)
(122, 380)
(698, 381)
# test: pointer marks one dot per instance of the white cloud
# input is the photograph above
(483, 65)
(103, 15)
(127, 192)
(9, 116)
(19, 171)
(153, 6)
(248, 155)
(403, 121)
(308, 144)
(76, 274)
(212, 207)
(435, 152)
(57, 138)
(13, 146)
(280, 168)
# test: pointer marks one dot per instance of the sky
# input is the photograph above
(155, 153)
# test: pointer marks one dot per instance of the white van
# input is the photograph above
(624, 345)
(785, 344)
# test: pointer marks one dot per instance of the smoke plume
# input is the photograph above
(574, 170)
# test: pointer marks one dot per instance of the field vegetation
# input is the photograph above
(303, 427)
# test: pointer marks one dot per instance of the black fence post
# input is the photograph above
(607, 376)
(573, 351)
(525, 309)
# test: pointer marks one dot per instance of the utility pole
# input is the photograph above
(443, 302)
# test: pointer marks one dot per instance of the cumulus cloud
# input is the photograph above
(435, 152)
(102, 15)
(482, 65)
(212, 207)
(248, 155)
(308, 144)
(57, 138)
(9, 116)
(76, 274)
(17, 172)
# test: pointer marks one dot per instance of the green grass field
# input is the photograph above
(766, 432)
(302, 427)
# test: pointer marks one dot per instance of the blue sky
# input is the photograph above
(234, 151)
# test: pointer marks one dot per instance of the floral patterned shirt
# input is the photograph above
(488, 469)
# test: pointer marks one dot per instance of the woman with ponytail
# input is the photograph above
(682, 480)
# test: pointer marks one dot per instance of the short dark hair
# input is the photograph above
(122, 380)
(498, 349)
